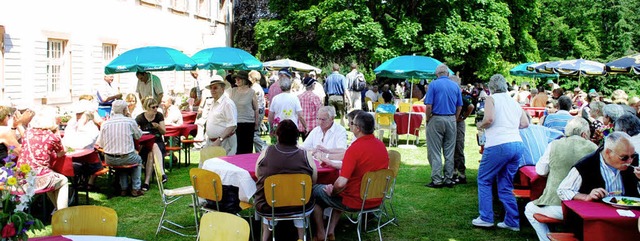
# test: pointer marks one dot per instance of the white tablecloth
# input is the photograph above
(233, 175)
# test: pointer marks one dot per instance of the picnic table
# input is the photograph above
(592, 221)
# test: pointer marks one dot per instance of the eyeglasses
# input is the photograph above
(351, 123)
(153, 106)
(626, 157)
(322, 119)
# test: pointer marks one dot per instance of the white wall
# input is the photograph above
(87, 24)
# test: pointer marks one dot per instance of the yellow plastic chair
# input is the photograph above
(208, 185)
(374, 185)
(414, 100)
(288, 190)
(85, 220)
(220, 226)
(405, 107)
(384, 121)
(369, 103)
(169, 196)
(394, 165)
(211, 152)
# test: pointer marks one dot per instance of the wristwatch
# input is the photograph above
(221, 138)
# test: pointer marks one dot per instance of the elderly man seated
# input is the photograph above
(603, 172)
(172, 114)
(116, 139)
(327, 138)
(536, 138)
(555, 163)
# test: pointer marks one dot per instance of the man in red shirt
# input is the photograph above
(365, 154)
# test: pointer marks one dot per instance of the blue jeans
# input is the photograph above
(131, 158)
(499, 164)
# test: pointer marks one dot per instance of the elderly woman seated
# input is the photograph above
(283, 158)
(41, 146)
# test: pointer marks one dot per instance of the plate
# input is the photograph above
(608, 200)
(145, 132)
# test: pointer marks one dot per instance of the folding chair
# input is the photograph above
(170, 196)
(404, 107)
(211, 152)
(208, 185)
(394, 165)
(384, 120)
(288, 190)
(375, 185)
(85, 220)
(220, 226)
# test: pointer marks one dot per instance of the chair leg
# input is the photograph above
(164, 211)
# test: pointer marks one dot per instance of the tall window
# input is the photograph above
(55, 60)
(202, 9)
(108, 51)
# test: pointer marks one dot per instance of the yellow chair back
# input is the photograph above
(404, 107)
(85, 220)
(211, 152)
(375, 184)
(157, 165)
(285, 190)
(394, 162)
(221, 226)
(207, 184)
(384, 119)
(414, 100)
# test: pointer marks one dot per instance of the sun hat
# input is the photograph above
(242, 75)
(216, 79)
(285, 72)
(549, 81)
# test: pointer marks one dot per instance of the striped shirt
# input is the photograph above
(571, 184)
(117, 135)
(557, 121)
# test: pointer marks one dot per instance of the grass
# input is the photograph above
(423, 213)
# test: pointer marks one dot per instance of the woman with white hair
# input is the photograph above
(610, 113)
(503, 117)
(41, 146)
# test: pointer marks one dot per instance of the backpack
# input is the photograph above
(359, 84)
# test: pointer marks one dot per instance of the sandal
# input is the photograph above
(145, 187)
(164, 178)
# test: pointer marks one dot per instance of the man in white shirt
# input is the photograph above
(172, 114)
(373, 94)
(354, 95)
(107, 93)
(222, 119)
(604, 172)
(327, 134)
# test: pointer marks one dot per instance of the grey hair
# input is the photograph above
(497, 84)
(576, 127)
(455, 79)
(597, 106)
(44, 118)
(612, 140)
(285, 84)
(442, 70)
(628, 123)
(329, 110)
(613, 111)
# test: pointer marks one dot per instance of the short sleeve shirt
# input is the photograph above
(444, 95)
(285, 106)
(365, 154)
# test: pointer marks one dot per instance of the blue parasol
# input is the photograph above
(522, 70)
(151, 58)
(409, 66)
(226, 58)
(625, 65)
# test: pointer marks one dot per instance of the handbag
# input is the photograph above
(229, 203)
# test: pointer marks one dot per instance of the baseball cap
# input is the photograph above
(285, 72)
(308, 81)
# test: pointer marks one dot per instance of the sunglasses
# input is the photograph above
(153, 106)
(626, 157)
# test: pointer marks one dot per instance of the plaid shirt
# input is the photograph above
(310, 103)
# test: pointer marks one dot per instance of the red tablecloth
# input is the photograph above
(531, 180)
(534, 111)
(402, 123)
(51, 238)
(189, 117)
(64, 165)
(181, 130)
(326, 175)
(146, 141)
(596, 221)
(419, 108)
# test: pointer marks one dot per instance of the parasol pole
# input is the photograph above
(407, 146)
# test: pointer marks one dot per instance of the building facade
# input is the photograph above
(52, 51)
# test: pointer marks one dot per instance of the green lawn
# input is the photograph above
(423, 213)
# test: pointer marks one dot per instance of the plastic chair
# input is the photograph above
(374, 185)
(169, 196)
(405, 107)
(288, 190)
(394, 165)
(85, 220)
(208, 185)
(211, 152)
(384, 120)
(220, 226)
